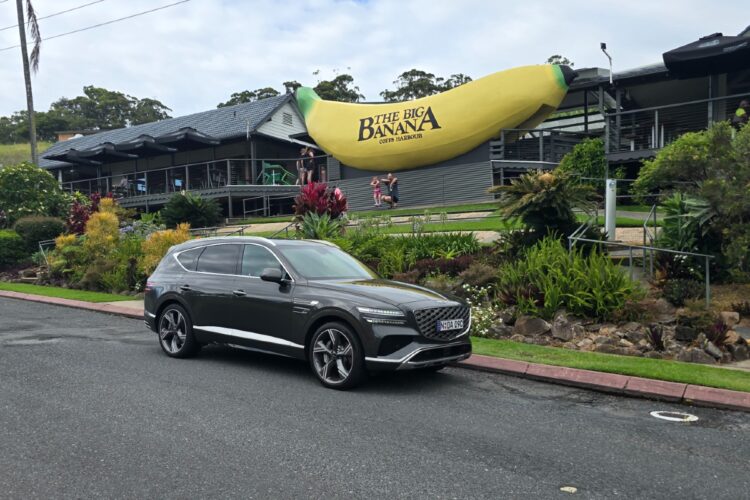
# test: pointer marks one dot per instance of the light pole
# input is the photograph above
(603, 46)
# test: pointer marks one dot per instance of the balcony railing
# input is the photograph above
(195, 177)
(653, 128)
(535, 145)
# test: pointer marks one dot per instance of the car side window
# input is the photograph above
(189, 258)
(257, 258)
(219, 259)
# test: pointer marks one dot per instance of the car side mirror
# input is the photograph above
(272, 274)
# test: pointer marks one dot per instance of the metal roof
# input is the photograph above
(222, 123)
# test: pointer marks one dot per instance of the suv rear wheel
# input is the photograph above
(176, 332)
(336, 356)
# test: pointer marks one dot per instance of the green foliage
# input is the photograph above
(341, 88)
(249, 96)
(586, 159)
(12, 248)
(678, 291)
(192, 209)
(558, 59)
(544, 202)
(479, 274)
(320, 227)
(547, 278)
(416, 83)
(36, 228)
(26, 189)
(711, 170)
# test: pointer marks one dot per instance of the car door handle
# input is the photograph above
(185, 288)
(239, 293)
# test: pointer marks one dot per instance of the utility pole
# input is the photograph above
(27, 78)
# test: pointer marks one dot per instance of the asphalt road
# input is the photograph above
(90, 407)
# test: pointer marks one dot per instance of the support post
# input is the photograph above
(610, 205)
(229, 172)
(187, 179)
(708, 285)
(230, 211)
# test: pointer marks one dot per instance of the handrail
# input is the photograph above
(284, 230)
(676, 105)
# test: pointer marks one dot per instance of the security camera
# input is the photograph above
(603, 46)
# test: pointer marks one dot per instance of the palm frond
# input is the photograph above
(36, 36)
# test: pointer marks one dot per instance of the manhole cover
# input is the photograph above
(674, 416)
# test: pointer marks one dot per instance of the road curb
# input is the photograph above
(76, 304)
(599, 381)
(613, 383)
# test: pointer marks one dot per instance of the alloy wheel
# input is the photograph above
(333, 356)
(172, 331)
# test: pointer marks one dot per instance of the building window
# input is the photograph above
(286, 119)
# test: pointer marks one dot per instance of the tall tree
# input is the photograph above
(249, 96)
(32, 61)
(341, 89)
(291, 86)
(558, 59)
(416, 83)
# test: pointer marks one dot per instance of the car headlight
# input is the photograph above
(382, 316)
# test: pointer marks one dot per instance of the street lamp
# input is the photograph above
(603, 46)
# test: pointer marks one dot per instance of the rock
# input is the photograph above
(593, 327)
(625, 343)
(528, 325)
(730, 318)
(695, 355)
(632, 326)
(685, 333)
(607, 330)
(733, 337)
(508, 315)
(632, 351)
(517, 338)
(635, 336)
(739, 352)
(570, 345)
(561, 327)
(607, 349)
(743, 331)
(585, 343)
(660, 309)
(643, 343)
(499, 330)
(602, 340)
(714, 351)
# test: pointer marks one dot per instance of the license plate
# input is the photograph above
(450, 324)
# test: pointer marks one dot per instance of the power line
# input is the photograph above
(56, 13)
(104, 23)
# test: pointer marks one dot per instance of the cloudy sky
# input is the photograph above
(194, 55)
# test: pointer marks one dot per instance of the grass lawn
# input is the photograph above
(63, 293)
(672, 371)
(16, 153)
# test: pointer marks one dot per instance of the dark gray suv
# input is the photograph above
(304, 299)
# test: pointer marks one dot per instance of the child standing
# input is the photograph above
(376, 193)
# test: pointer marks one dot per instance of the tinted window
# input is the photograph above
(189, 258)
(221, 259)
(324, 262)
(256, 259)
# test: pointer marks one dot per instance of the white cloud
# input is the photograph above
(195, 55)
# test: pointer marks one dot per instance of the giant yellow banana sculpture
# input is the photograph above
(401, 135)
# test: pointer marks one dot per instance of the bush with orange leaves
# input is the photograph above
(155, 247)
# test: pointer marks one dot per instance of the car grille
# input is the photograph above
(427, 321)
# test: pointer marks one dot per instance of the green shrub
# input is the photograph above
(36, 228)
(191, 209)
(544, 202)
(547, 278)
(479, 274)
(12, 248)
(586, 159)
(677, 291)
(26, 189)
(320, 227)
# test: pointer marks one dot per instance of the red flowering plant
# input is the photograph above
(319, 198)
(80, 211)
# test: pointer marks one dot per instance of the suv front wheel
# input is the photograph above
(336, 356)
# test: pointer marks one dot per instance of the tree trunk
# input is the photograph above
(27, 78)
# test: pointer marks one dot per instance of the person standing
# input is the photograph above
(300, 164)
(392, 197)
(310, 159)
(376, 193)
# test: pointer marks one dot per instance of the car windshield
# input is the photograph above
(325, 262)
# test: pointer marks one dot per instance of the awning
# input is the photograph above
(186, 136)
(710, 55)
(93, 156)
(144, 145)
